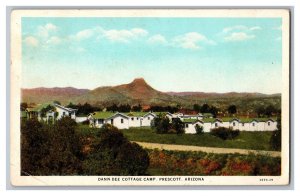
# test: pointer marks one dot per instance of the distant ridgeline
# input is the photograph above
(51, 112)
(139, 92)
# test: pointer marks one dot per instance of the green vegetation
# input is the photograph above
(246, 140)
(60, 149)
(111, 153)
(162, 125)
(164, 162)
(275, 140)
(199, 129)
(225, 133)
(102, 115)
(135, 114)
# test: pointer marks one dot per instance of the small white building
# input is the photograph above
(190, 125)
(135, 118)
(259, 124)
(147, 119)
(119, 120)
(55, 112)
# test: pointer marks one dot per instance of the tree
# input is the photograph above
(48, 149)
(161, 124)
(214, 111)
(275, 140)
(113, 108)
(23, 106)
(270, 109)
(47, 109)
(124, 108)
(177, 125)
(199, 129)
(136, 108)
(73, 106)
(113, 154)
(232, 109)
(33, 146)
(205, 108)
(197, 107)
(260, 111)
(132, 159)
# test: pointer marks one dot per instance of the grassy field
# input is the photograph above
(246, 140)
(163, 162)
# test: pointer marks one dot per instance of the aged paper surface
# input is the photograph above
(189, 41)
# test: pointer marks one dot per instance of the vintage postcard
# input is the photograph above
(150, 97)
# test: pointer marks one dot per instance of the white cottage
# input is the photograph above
(55, 112)
(234, 123)
(190, 125)
(119, 120)
(147, 119)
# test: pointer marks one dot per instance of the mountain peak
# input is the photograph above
(138, 80)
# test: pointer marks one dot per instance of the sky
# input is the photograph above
(171, 54)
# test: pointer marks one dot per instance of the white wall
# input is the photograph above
(62, 111)
(147, 120)
(207, 127)
(134, 121)
(272, 126)
(80, 119)
(190, 128)
(117, 122)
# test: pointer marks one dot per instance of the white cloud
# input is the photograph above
(31, 41)
(239, 33)
(84, 34)
(238, 36)
(255, 28)
(237, 27)
(54, 40)
(191, 40)
(157, 39)
(240, 28)
(124, 35)
(44, 31)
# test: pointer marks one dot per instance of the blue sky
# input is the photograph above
(171, 54)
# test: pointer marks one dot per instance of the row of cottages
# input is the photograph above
(56, 112)
(244, 124)
(125, 120)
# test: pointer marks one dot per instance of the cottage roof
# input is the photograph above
(229, 119)
(65, 108)
(136, 114)
(189, 120)
(102, 115)
(211, 120)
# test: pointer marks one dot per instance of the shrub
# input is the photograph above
(86, 122)
(225, 133)
(48, 149)
(199, 129)
(161, 125)
(178, 125)
(113, 154)
(275, 140)
(132, 159)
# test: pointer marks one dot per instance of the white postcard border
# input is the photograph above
(16, 56)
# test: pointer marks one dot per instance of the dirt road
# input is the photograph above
(206, 149)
